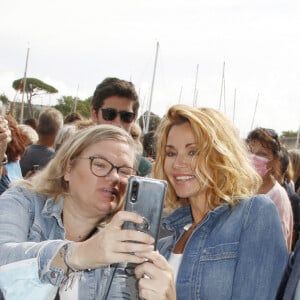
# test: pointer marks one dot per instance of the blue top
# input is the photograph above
(14, 170)
(235, 253)
(31, 227)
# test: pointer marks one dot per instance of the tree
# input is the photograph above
(4, 99)
(33, 87)
(66, 105)
(289, 133)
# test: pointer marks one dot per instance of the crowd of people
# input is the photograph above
(231, 220)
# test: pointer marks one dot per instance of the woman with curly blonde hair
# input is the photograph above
(226, 242)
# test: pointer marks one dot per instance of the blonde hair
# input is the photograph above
(50, 180)
(136, 133)
(31, 134)
(222, 163)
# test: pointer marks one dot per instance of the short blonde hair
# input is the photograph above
(222, 162)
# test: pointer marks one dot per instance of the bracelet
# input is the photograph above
(67, 254)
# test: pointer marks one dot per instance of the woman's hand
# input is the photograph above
(112, 244)
(156, 279)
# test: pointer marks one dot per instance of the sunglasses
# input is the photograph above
(109, 114)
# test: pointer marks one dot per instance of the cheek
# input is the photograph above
(123, 187)
(167, 165)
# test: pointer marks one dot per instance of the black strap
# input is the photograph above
(108, 285)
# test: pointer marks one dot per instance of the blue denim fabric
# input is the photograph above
(31, 226)
(290, 280)
(235, 253)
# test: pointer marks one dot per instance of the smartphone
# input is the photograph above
(146, 197)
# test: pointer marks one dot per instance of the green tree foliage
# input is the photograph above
(33, 87)
(4, 99)
(153, 122)
(66, 105)
(289, 134)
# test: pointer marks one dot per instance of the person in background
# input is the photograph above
(116, 102)
(63, 134)
(73, 117)
(136, 133)
(68, 216)
(15, 150)
(31, 134)
(149, 145)
(68, 130)
(294, 155)
(265, 149)
(49, 123)
(227, 242)
(289, 288)
(5, 138)
(283, 174)
(32, 122)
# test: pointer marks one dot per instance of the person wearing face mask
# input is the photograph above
(265, 149)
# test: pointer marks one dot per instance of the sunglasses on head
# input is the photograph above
(109, 114)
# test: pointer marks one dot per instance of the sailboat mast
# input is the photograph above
(297, 140)
(234, 102)
(254, 112)
(195, 89)
(152, 87)
(76, 99)
(24, 87)
(222, 86)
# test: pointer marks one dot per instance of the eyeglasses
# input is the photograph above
(109, 114)
(102, 167)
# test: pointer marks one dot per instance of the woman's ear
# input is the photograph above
(67, 172)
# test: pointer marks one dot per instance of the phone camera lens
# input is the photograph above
(134, 192)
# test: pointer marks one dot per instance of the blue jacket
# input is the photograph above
(31, 227)
(291, 277)
(236, 253)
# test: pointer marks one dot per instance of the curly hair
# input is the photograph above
(222, 163)
(16, 147)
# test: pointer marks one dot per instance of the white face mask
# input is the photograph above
(260, 164)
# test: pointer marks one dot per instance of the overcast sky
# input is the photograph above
(74, 45)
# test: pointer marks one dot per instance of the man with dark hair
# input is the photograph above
(49, 123)
(116, 102)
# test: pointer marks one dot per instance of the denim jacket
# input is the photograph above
(31, 226)
(235, 253)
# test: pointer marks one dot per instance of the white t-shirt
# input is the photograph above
(175, 261)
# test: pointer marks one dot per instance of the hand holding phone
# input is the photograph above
(145, 196)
